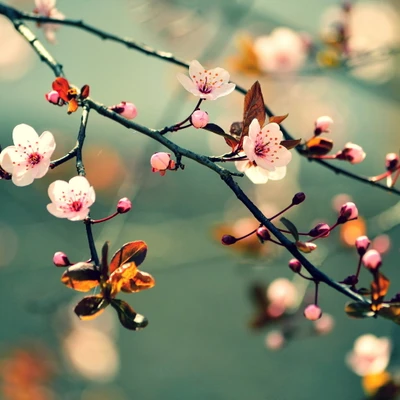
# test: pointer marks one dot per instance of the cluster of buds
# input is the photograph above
(392, 173)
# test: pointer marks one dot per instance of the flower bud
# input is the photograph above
(125, 109)
(362, 244)
(263, 234)
(347, 212)
(295, 265)
(391, 161)
(227, 240)
(54, 98)
(124, 205)
(306, 247)
(321, 230)
(298, 198)
(199, 119)
(372, 260)
(322, 124)
(60, 259)
(312, 312)
(352, 153)
(161, 161)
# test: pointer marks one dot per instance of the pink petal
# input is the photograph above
(257, 175)
(46, 144)
(188, 84)
(79, 183)
(90, 197)
(23, 179)
(6, 160)
(24, 134)
(284, 157)
(221, 91)
(273, 130)
(248, 147)
(254, 129)
(56, 190)
(40, 170)
(80, 215)
(195, 68)
(278, 174)
(264, 163)
(242, 166)
(222, 75)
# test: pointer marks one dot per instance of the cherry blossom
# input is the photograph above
(263, 147)
(47, 8)
(370, 355)
(259, 175)
(29, 158)
(71, 199)
(282, 51)
(206, 84)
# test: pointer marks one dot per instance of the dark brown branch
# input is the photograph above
(81, 139)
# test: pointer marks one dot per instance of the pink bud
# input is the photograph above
(324, 325)
(161, 161)
(392, 161)
(274, 340)
(227, 240)
(199, 119)
(124, 205)
(352, 153)
(321, 230)
(362, 244)
(347, 212)
(295, 265)
(126, 109)
(53, 98)
(322, 124)
(298, 198)
(372, 260)
(263, 234)
(312, 312)
(60, 259)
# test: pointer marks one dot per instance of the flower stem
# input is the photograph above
(281, 212)
(98, 221)
(92, 247)
(81, 139)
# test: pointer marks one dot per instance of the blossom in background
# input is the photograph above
(71, 199)
(47, 8)
(29, 158)
(283, 50)
(206, 84)
(370, 355)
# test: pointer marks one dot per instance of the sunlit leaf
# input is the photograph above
(319, 146)
(141, 281)
(278, 119)
(232, 142)
(253, 108)
(358, 309)
(85, 92)
(291, 228)
(290, 144)
(122, 275)
(130, 252)
(374, 383)
(61, 86)
(90, 307)
(379, 288)
(128, 316)
(72, 106)
(305, 247)
(391, 311)
(81, 276)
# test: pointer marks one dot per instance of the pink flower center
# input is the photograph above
(76, 206)
(261, 149)
(34, 158)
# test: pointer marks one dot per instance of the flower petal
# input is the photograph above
(242, 166)
(46, 144)
(23, 179)
(78, 216)
(188, 84)
(257, 175)
(40, 170)
(249, 147)
(79, 183)
(221, 91)
(57, 190)
(141, 281)
(265, 163)
(283, 157)
(278, 174)
(6, 158)
(24, 135)
(195, 68)
(254, 129)
(273, 131)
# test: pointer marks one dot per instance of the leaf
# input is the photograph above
(104, 261)
(215, 129)
(358, 309)
(291, 228)
(253, 108)
(72, 106)
(305, 247)
(81, 276)
(128, 316)
(122, 275)
(290, 144)
(84, 92)
(141, 281)
(364, 291)
(130, 252)
(90, 307)
(278, 119)
(390, 311)
(379, 288)
(319, 146)
(232, 142)
(236, 129)
(61, 86)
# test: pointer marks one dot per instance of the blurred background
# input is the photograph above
(202, 340)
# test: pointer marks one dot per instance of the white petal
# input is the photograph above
(254, 129)
(6, 160)
(248, 148)
(221, 74)
(79, 183)
(195, 68)
(242, 166)
(24, 134)
(273, 130)
(284, 157)
(40, 170)
(54, 210)
(80, 215)
(264, 163)
(23, 179)
(90, 197)
(257, 175)
(188, 84)
(278, 174)
(56, 191)
(46, 144)
(224, 90)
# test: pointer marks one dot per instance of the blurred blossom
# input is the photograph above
(274, 340)
(283, 292)
(370, 355)
(325, 324)
(381, 243)
(283, 50)
(339, 200)
(351, 230)
(47, 8)
(92, 354)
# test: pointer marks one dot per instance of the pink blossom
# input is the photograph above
(124, 205)
(370, 355)
(295, 265)
(347, 212)
(372, 260)
(320, 230)
(283, 292)
(199, 119)
(29, 158)
(352, 153)
(54, 98)
(47, 8)
(71, 199)
(322, 124)
(362, 244)
(263, 147)
(160, 162)
(259, 175)
(126, 109)
(206, 84)
(60, 259)
(274, 340)
(282, 51)
(312, 312)
(324, 325)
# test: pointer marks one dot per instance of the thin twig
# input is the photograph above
(81, 139)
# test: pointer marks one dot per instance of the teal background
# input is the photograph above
(198, 344)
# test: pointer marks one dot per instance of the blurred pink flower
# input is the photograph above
(274, 340)
(370, 355)
(29, 158)
(206, 84)
(47, 8)
(71, 199)
(283, 292)
(283, 50)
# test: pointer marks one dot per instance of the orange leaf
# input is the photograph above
(358, 310)
(90, 307)
(130, 252)
(84, 92)
(72, 106)
(141, 281)
(278, 118)
(319, 146)
(61, 86)
(379, 287)
(121, 276)
(81, 277)
(290, 144)
(128, 317)
(391, 311)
